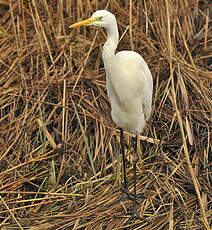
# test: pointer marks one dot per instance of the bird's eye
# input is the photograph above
(99, 18)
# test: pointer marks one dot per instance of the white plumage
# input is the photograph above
(129, 84)
(129, 88)
(128, 78)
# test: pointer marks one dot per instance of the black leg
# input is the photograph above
(123, 158)
(125, 189)
(135, 159)
(134, 213)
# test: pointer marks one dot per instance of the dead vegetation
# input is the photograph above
(59, 150)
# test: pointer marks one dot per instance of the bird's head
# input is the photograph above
(100, 18)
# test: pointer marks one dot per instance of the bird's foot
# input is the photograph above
(134, 215)
(127, 194)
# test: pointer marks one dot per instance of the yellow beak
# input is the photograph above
(83, 23)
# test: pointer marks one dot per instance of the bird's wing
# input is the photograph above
(141, 76)
(132, 80)
(147, 89)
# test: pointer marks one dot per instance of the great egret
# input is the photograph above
(129, 87)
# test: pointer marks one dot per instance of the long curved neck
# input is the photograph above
(110, 46)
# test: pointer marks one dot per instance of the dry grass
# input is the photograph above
(59, 150)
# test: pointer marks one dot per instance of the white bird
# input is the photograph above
(129, 87)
